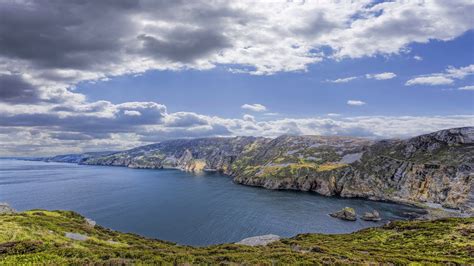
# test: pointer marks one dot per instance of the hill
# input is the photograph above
(64, 237)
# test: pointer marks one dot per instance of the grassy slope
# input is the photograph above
(38, 236)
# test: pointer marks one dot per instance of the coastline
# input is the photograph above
(65, 237)
(432, 210)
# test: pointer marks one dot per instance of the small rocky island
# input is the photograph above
(347, 214)
(373, 216)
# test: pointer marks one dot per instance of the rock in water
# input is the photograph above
(347, 214)
(259, 240)
(373, 216)
(5, 208)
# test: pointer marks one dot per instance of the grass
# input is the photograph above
(38, 237)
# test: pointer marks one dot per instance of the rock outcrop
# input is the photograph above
(347, 214)
(76, 236)
(373, 216)
(5, 208)
(259, 240)
(431, 168)
(90, 222)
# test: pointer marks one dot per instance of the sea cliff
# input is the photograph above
(435, 168)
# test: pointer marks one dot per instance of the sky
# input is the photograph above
(79, 76)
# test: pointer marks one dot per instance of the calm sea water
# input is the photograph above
(177, 206)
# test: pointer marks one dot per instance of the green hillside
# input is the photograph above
(39, 236)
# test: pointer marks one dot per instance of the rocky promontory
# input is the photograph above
(435, 168)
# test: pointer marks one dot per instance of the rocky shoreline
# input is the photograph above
(435, 168)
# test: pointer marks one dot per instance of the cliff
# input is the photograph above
(432, 168)
(66, 238)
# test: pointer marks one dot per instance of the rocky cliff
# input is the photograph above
(432, 168)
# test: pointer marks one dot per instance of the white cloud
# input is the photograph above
(447, 77)
(132, 113)
(459, 73)
(431, 80)
(355, 102)
(256, 107)
(418, 58)
(342, 80)
(333, 114)
(43, 131)
(248, 117)
(467, 88)
(381, 76)
(81, 133)
(257, 37)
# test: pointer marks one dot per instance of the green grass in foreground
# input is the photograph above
(38, 236)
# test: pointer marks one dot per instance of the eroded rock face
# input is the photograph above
(347, 214)
(192, 155)
(432, 168)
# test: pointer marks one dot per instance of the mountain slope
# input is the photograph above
(63, 237)
(433, 168)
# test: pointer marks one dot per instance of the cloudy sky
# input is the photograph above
(108, 75)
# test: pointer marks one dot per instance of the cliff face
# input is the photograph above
(434, 168)
(190, 155)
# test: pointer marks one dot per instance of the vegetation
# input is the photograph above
(38, 236)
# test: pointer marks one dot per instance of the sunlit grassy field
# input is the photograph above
(38, 236)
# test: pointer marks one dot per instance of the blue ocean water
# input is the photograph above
(177, 206)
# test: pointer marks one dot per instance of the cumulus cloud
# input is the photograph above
(132, 113)
(248, 117)
(256, 107)
(381, 76)
(59, 128)
(43, 132)
(445, 78)
(14, 89)
(430, 80)
(467, 88)
(92, 40)
(48, 47)
(185, 119)
(355, 102)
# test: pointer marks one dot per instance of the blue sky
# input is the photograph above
(80, 76)
(308, 93)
